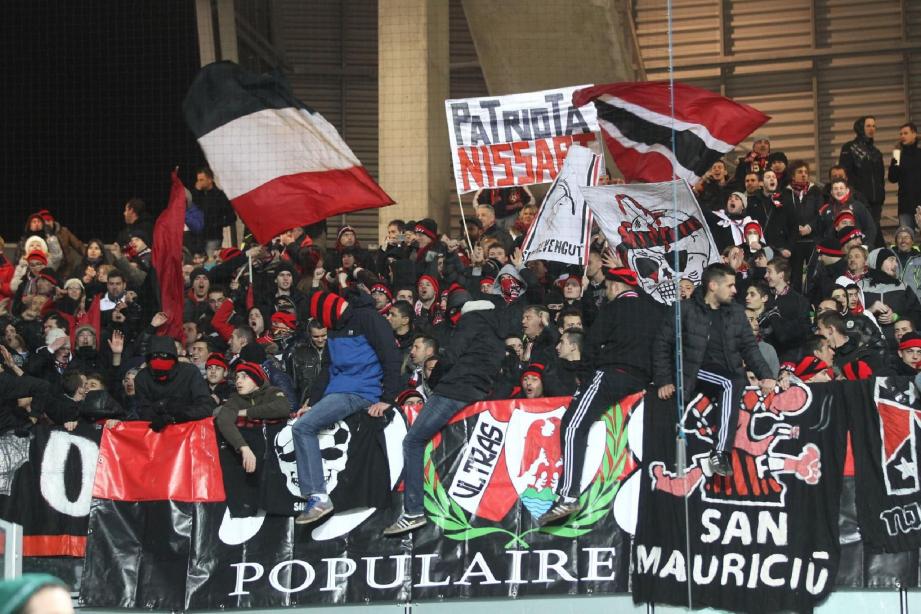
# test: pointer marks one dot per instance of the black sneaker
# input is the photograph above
(719, 463)
(561, 509)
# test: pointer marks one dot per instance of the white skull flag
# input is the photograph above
(561, 230)
(642, 223)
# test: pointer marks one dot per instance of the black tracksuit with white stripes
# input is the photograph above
(618, 347)
(715, 346)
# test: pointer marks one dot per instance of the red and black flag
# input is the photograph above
(153, 500)
(279, 161)
(46, 485)
(637, 121)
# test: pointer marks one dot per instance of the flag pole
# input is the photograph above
(460, 203)
(681, 442)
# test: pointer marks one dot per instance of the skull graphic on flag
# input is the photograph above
(658, 231)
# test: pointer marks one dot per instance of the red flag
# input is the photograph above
(167, 258)
(179, 463)
(637, 122)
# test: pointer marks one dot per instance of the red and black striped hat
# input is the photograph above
(623, 275)
(252, 370)
(326, 308)
(856, 370)
(809, 367)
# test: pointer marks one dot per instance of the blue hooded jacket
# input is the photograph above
(361, 355)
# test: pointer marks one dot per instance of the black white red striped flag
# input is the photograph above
(280, 163)
(636, 119)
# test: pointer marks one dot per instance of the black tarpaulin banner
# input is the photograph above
(764, 539)
(46, 485)
(482, 539)
(886, 431)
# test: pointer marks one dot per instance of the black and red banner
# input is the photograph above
(46, 485)
(170, 521)
(489, 476)
(764, 539)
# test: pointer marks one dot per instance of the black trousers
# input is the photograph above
(591, 400)
(725, 391)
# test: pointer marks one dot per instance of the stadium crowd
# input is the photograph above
(426, 325)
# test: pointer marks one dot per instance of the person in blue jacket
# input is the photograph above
(360, 371)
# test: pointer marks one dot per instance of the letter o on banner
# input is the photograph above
(276, 571)
(52, 480)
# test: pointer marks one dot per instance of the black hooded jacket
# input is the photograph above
(182, 397)
(864, 165)
(468, 366)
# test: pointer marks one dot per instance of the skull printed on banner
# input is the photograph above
(287, 458)
(334, 444)
(655, 263)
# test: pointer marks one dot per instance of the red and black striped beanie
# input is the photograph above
(325, 307)
(856, 370)
(809, 367)
(252, 370)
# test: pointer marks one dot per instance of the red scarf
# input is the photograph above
(799, 188)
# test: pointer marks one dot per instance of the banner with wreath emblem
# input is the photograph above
(488, 476)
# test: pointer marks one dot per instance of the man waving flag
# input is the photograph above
(636, 119)
(279, 161)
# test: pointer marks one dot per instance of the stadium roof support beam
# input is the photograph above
(527, 45)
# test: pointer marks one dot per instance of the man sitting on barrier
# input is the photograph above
(716, 338)
(360, 372)
(465, 373)
(617, 347)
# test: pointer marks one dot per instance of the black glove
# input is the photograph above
(159, 423)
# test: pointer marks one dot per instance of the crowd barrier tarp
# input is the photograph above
(520, 139)
(488, 477)
(46, 485)
(886, 455)
(762, 540)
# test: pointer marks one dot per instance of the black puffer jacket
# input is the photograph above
(183, 396)
(738, 343)
(864, 165)
(622, 335)
(468, 366)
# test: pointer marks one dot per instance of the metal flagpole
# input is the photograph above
(460, 203)
(681, 442)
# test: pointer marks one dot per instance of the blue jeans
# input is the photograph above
(436, 413)
(329, 410)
